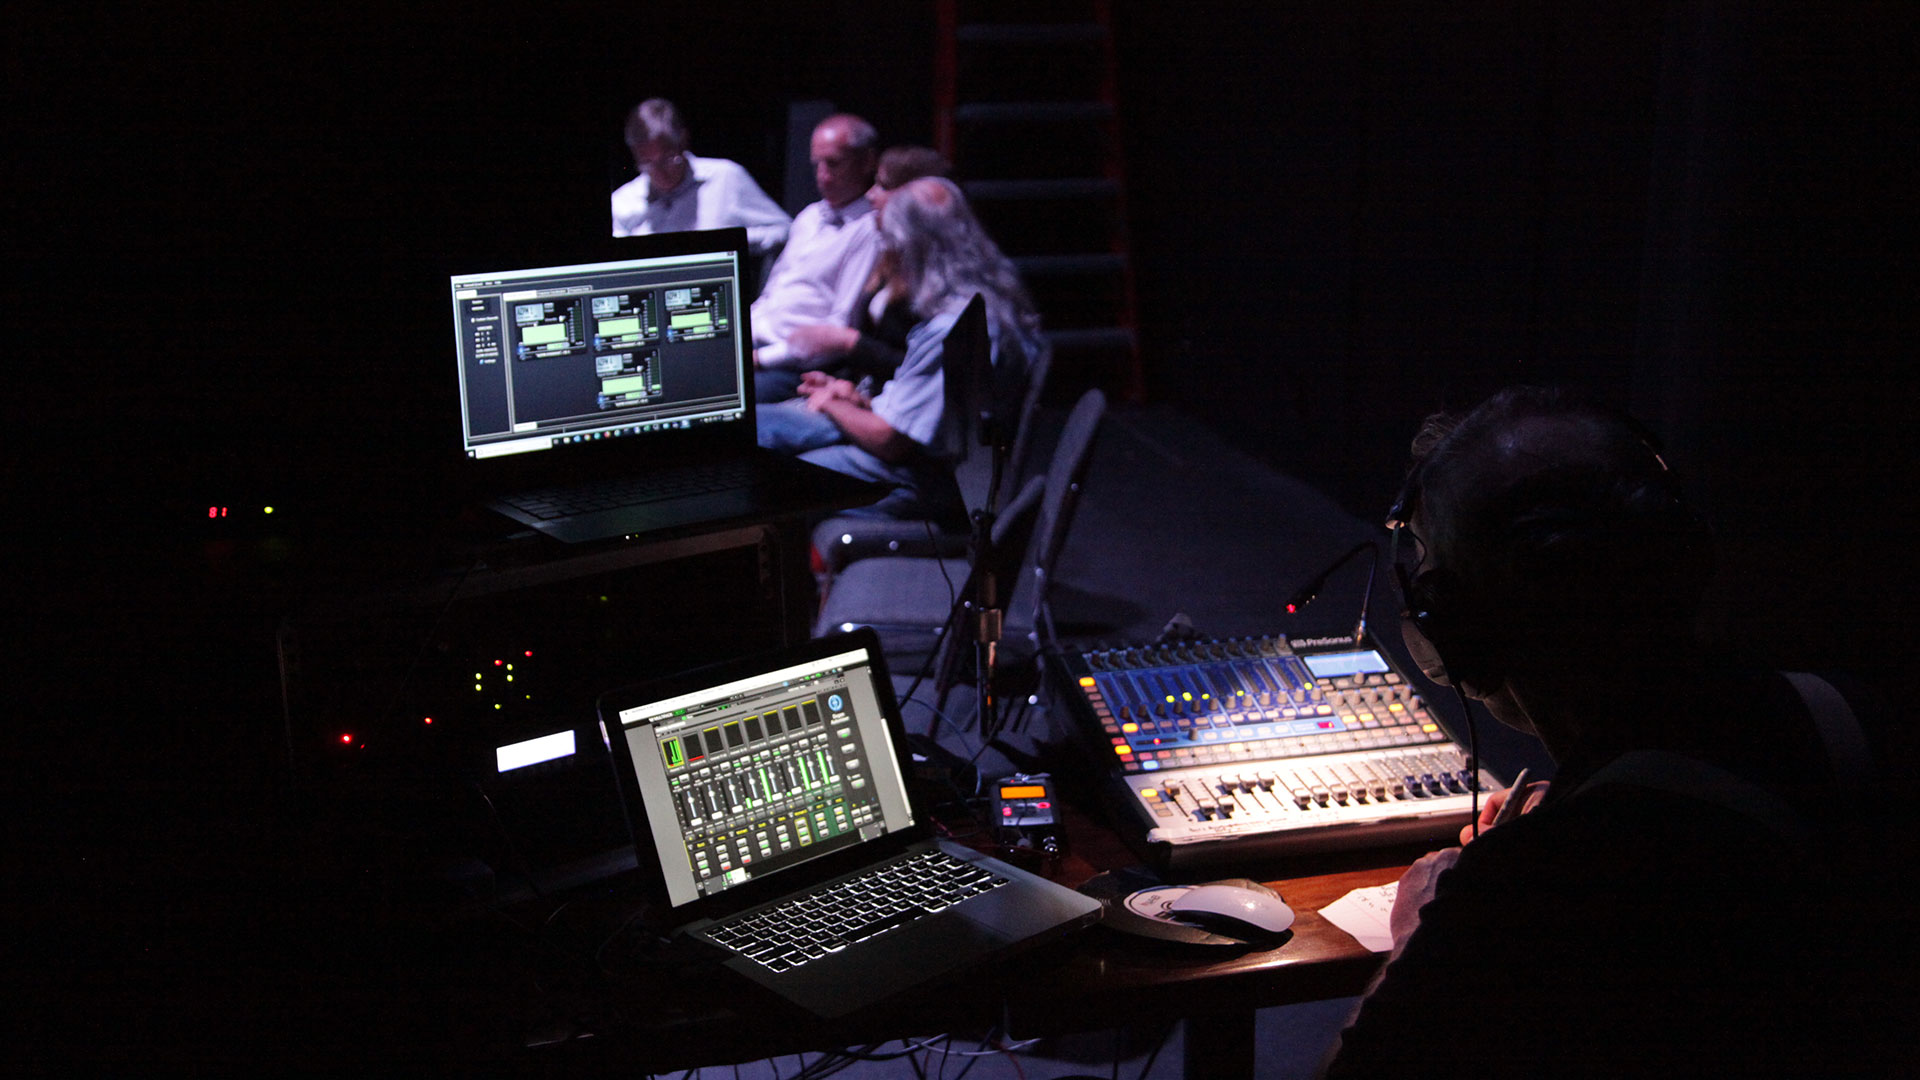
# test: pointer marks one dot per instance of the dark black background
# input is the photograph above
(230, 225)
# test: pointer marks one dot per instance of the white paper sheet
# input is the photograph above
(1363, 913)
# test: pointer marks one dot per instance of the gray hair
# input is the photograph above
(861, 135)
(656, 118)
(945, 256)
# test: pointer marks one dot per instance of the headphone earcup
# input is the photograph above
(1461, 639)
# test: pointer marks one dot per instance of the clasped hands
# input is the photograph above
(820, 390)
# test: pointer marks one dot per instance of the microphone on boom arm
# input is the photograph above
(1306, 593)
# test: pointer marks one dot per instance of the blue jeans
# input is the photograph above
(921, 491)
(775, 384)
(792, 428)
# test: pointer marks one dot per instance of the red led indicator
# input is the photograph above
(344, 739)
(528, 653)
(499, 663)
(427, 720)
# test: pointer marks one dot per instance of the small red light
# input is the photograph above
(529, 652)
(428, 720)
(346, 738)
(1044, 805)
(1293, 609)
(499, 663)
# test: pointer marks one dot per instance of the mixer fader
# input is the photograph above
(1229, 749)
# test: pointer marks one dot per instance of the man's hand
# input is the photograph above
(1494, 810)
(821, 390)
(822, 341)
(1416, 888)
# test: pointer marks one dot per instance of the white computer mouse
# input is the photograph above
(1231, 911)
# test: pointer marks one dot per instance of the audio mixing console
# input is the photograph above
(1229, 750)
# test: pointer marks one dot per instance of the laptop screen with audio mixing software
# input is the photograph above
(571, 354)
(745, 778)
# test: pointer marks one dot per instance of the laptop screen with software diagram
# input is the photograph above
(567, 354)
(744, 778)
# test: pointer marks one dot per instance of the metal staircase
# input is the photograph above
(1025, 107)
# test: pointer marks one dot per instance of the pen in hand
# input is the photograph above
(1516, 797)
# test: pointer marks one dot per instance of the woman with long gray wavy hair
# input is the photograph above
(905, 436)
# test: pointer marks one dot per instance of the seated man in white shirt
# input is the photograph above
(676, 191)
(831, 249)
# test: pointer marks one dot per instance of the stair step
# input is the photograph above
(1029, 33)
(1031, 112)
(1067, 265)
(1091, 339)
(1026, 12)
(1071, 188)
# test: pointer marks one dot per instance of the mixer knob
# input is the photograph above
(1226, 808)
(1266, 780)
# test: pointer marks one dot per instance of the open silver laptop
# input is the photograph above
(611, 394)
(770, 812)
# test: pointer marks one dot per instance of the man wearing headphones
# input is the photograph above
(1674, 904)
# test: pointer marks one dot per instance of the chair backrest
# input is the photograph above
(1017, 463)
(997, 395)
(1065, 475)
(966, 364)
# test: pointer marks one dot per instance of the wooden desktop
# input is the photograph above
(671, 1017)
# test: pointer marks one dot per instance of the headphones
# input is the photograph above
(1462, 634)
(1634, 551)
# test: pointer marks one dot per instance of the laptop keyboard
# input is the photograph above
(612, 494)
(802, 930)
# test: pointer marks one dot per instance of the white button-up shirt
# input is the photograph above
(716, 194)
(819, 277)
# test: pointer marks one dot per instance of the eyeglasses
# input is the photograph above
(1408, 554)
